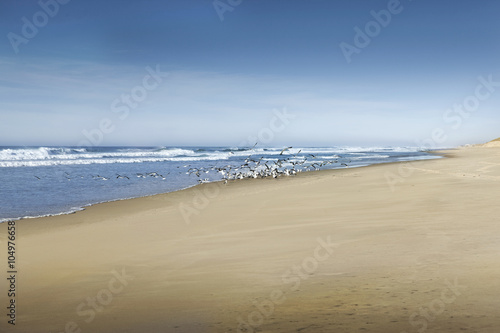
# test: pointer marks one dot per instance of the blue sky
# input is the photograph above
(63, 85)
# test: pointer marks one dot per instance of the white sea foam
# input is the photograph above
(71, 211)
(45, 156)
(372, 156)
(44, 153)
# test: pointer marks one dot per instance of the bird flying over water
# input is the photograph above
(285, 149)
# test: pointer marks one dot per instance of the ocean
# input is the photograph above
(41, 181)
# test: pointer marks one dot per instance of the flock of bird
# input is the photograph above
(67, 176)
(251, 168)
(257, 168)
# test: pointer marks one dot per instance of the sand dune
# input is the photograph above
(493, 143)
(404, 247)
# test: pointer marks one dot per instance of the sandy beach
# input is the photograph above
(403, 247)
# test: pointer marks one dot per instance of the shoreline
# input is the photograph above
(329, 251)
(76, 210)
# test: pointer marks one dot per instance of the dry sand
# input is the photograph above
(399, 247)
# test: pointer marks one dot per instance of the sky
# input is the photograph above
(230, 72)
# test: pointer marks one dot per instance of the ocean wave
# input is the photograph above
(46, 153)
(336, 150)
(40, 153)
(14, 164)
(52, 156)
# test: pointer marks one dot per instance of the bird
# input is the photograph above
(285, 149)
